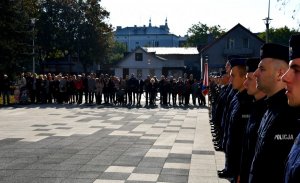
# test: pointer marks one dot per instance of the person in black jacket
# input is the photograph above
(5, 89)
(292, 80)
(239, 114)
(140, 90)
(132, 85)
(258, 108)
(277, 130)
(147, 89)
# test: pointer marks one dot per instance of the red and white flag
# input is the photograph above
(205, 80)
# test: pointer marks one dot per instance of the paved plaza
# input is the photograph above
(92, 144)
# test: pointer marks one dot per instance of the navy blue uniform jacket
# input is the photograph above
(276, 136)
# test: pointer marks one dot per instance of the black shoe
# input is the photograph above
(224, 174)
(224, 170)
(219, 148)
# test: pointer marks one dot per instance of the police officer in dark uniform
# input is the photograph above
(239, 115)
(258, 108)
(278, 130)
(292, 80)
(217, 117)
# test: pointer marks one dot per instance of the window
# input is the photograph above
(152, 72)
(139, 73)
(138, 56)
(245, 43)
(230, 43)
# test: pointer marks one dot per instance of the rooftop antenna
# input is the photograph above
(267, 22)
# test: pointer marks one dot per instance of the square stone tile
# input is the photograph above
(120, 169)
(158, 153)
(108, 181)
(128, 161)
(171, 171)
(114, 176)
(146, 170)
(172, 178)
(143, 177)
(177, 165)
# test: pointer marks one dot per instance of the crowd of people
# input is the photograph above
(30, 88)
(255, 115)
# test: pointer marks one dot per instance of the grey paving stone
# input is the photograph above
(114, 176)
(85, 174)
(102, 160)
(185, 141)
(132, 181)
(111, 153)
(147, 170)
(9, 141)
(60, 155)
(47, 180)
(45, 134)
(59, 124)
(145, 141)
(68, 150)
(16, 166)
(183, 156)
(77, 180)
(152, 162)
(42, 125)
(161, 147)
(171, 171)
(90, 151)
(56, 173)
(142, 146)
(96, 168)
(204, 152)
(6, 173)
(178, 160)
(66, 167)
(75, 161)
(40, 129)
(64, 128)
(172, 178)
(13, 179)
(135, 152)
(128, 161)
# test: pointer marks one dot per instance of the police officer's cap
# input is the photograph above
(237, 61)
(276, 51)
(252, 64)
(295, 46)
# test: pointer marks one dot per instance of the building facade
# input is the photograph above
(237, 42)
(146, 36)
(155, 61)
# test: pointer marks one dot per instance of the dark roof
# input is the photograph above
(231, 30)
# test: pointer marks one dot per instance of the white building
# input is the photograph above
(146, 36)
(156, 61)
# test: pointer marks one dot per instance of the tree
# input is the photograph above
(74, 28)
(279, 36)
(199, 34)
(15, 34)
(116, 52)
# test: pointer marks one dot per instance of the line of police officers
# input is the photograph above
(255, 116)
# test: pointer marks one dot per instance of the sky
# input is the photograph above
(182, 14)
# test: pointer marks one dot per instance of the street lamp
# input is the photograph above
(33, 20)
(267, 22)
